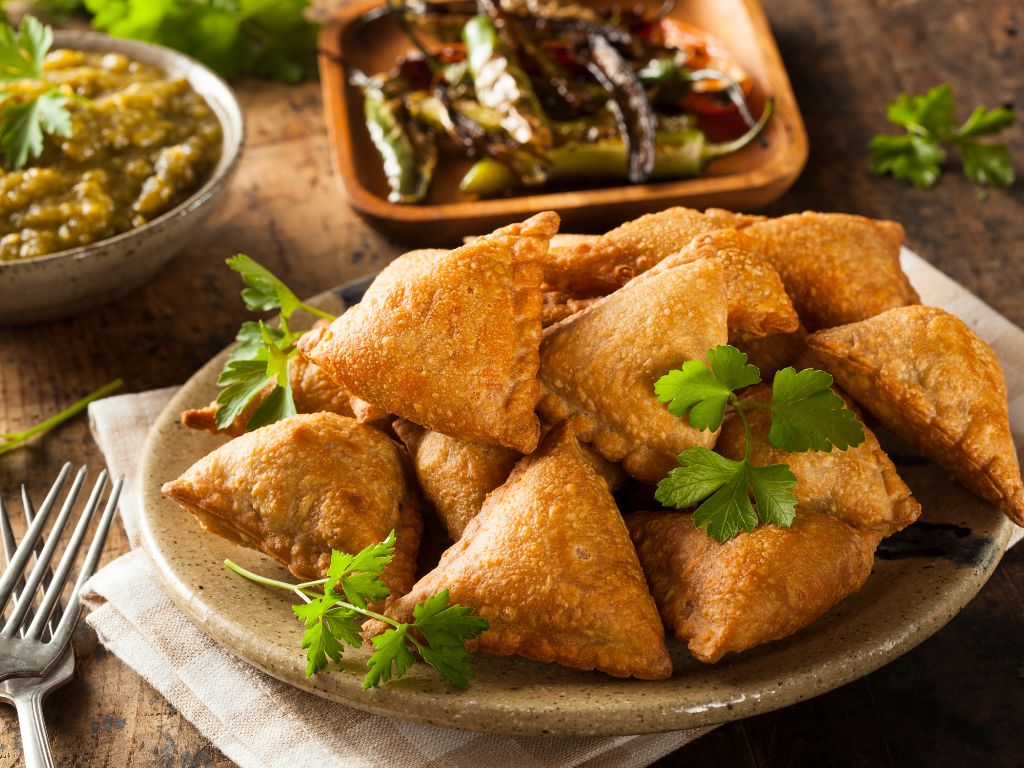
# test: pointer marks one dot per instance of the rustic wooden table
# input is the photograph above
(955, 700)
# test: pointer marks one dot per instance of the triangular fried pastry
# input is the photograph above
(758, 303)
(599, 366)
(732, 219)
(548, 562)
(298, 488)
(836, 268)
(451, 344)
(859, 486)
(595, 267)
(455, 475)
(932, 381)
(559, 305)
(756, 587)
(773, 353)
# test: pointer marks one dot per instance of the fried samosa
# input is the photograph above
(756, 587)
(598, 266)
(758, 304)
(456, 475)
(548, 562)
(599, 366)
(298, 488)
(837, 268)
(932, 381)
(451, 343)
(859, 486)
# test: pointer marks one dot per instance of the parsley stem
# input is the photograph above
(319, 313)
(299, 589)
(14, 439)
(738, 407)
(753, 404)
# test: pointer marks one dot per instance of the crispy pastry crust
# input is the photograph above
(758, 304)
(549, 564)
(302, 486)
(599, 366)
(595, 267)
(859, 486)
(455, 475)
(933, 382)
(836, 268)
(452, 343)
(756, 587)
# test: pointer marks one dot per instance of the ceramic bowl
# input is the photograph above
(71, 281)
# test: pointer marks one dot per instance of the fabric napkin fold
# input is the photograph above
(255, 719)
(258, 721)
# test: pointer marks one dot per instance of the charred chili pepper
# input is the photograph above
(503, 86)
(680, 154)
(407, 150)
(630, 105)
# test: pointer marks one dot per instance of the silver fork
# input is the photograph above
(35, 648)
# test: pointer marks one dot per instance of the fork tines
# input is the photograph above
(22, 584)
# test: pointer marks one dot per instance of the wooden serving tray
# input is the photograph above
(749, 179)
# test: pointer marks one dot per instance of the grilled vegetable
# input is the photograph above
(679, 154)
(408, 151)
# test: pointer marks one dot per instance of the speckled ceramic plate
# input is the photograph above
(922, 578)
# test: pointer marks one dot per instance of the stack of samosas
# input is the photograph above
(517, 371)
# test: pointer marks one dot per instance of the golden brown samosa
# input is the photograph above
(452, 343)
(932, 381)
(548, 562)
(599, 366)
(837, 268)
(758, 304)
(298, 488)
(756, 587)
(598, 266)
(859, 486)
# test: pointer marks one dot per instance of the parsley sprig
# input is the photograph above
(25, 121)
(11, 440)
(333, 620)
(264, 352)
(918, 155)
(806, 415)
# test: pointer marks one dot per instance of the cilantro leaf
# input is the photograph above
(703, 390)
(391, 651)
(276, 406)
(808, 415)
(931, 112)
(22, 55)
(918, 155)
(328, 629)
(446, 628)
(241, 381)
(983, 122)
(25, 123)
(265, 291)
(916, 159)
(725, 486)
(987, 164)
(772, 486)
(359, 574)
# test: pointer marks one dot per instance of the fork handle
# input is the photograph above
(34, 743)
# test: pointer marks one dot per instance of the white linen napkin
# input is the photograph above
(258, 721)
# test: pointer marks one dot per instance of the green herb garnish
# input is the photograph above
(24, 122)
(263, 353)
(271, 38)
(333, 620)
(11, 440)
(919, 154)
(806, 415)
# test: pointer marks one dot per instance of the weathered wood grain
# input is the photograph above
(956, 700)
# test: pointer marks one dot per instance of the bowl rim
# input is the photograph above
(157, 56)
